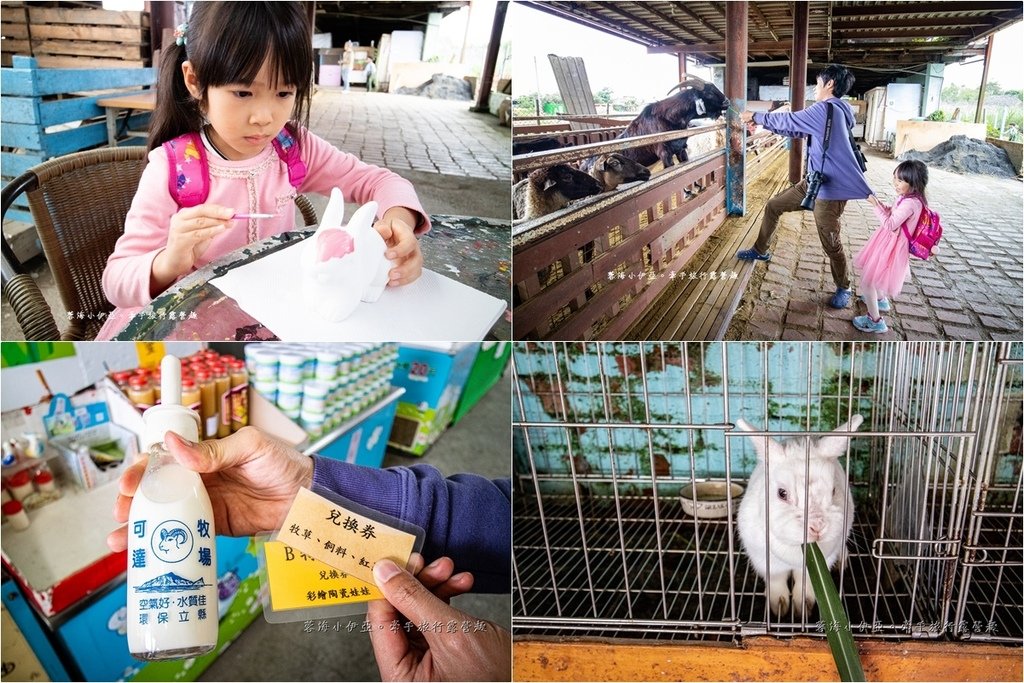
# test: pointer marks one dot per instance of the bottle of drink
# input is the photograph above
(239, 395)
(208, 403)
(222, 384)
(141, 392)
(172, 555)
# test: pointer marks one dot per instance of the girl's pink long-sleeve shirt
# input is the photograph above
(256, 185)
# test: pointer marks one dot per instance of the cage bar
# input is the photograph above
(607, 434)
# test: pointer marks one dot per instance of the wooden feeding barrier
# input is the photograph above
(590, 270)
(594, 269)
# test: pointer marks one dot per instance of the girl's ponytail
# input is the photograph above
(176, 112)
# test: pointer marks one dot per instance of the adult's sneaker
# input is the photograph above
(753, 255)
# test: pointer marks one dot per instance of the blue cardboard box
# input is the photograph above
(366, 441)
(433, 376)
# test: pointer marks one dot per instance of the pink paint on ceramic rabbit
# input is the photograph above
(333, 243)
(773, 532)
(343, 264)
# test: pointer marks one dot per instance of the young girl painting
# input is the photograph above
(233, 97)
(884, 262)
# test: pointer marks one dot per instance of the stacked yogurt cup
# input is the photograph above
(321, 386)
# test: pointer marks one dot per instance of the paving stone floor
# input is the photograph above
(972, 290)
(415, 133)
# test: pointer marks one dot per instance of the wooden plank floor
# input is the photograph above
(700, 309)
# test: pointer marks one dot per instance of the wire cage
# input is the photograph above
(609, 437)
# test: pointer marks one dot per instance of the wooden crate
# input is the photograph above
(14, 29)
(44, 114)
(76, 38)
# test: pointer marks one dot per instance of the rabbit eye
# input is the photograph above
(783, 494)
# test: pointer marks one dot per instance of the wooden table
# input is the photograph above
(144, 100)
(474, 251)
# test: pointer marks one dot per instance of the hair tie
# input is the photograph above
(179, 34)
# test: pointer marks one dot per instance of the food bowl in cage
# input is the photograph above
(712, 499)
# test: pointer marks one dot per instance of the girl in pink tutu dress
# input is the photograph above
(884, 262)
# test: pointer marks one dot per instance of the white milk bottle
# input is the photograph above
(172, 555)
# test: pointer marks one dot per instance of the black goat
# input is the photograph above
(549, 189)
(536, 145)
(695, 99)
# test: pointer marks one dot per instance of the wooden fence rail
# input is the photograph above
(589, 271)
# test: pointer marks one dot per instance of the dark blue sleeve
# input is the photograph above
(466, 517)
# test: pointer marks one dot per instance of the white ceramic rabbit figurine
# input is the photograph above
(343, 265)
(791, 482)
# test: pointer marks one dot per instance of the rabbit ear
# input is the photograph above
(834, 445)
(334, 213)
(760, 442)
(364, 216)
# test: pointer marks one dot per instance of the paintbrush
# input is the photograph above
(254, 215)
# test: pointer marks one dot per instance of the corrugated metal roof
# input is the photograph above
(868, 34)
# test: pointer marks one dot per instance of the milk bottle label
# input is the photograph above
(170, 560)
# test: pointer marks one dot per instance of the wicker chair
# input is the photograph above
(79, 203)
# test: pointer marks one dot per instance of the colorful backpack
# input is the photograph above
(926, 235)
(190, 178)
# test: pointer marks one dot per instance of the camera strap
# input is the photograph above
(825, 140)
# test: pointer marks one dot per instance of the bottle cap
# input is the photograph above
(43, 477)
(12, 507)
(138, 381)
(170, 415)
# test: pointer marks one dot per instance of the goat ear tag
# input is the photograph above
(701, 109)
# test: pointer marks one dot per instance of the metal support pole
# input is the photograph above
(979, 115)
(487, 78)
(682, 66)
(736, 91)
(798, 84)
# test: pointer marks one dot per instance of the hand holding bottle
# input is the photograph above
(251, 479)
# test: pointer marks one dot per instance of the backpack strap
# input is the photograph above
(189, 169)
(188, 177)
(923, 216)
(287, 148)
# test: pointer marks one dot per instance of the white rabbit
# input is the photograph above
(343, 265)
(794, 481)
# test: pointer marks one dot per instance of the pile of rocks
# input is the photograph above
(961, 154)
(440, 87)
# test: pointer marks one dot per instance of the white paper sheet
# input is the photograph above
(433, 308)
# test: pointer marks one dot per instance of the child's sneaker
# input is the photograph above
(883, 303)
(864, 323)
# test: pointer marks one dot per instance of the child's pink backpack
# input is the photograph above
(189, 180)
(926, 235)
